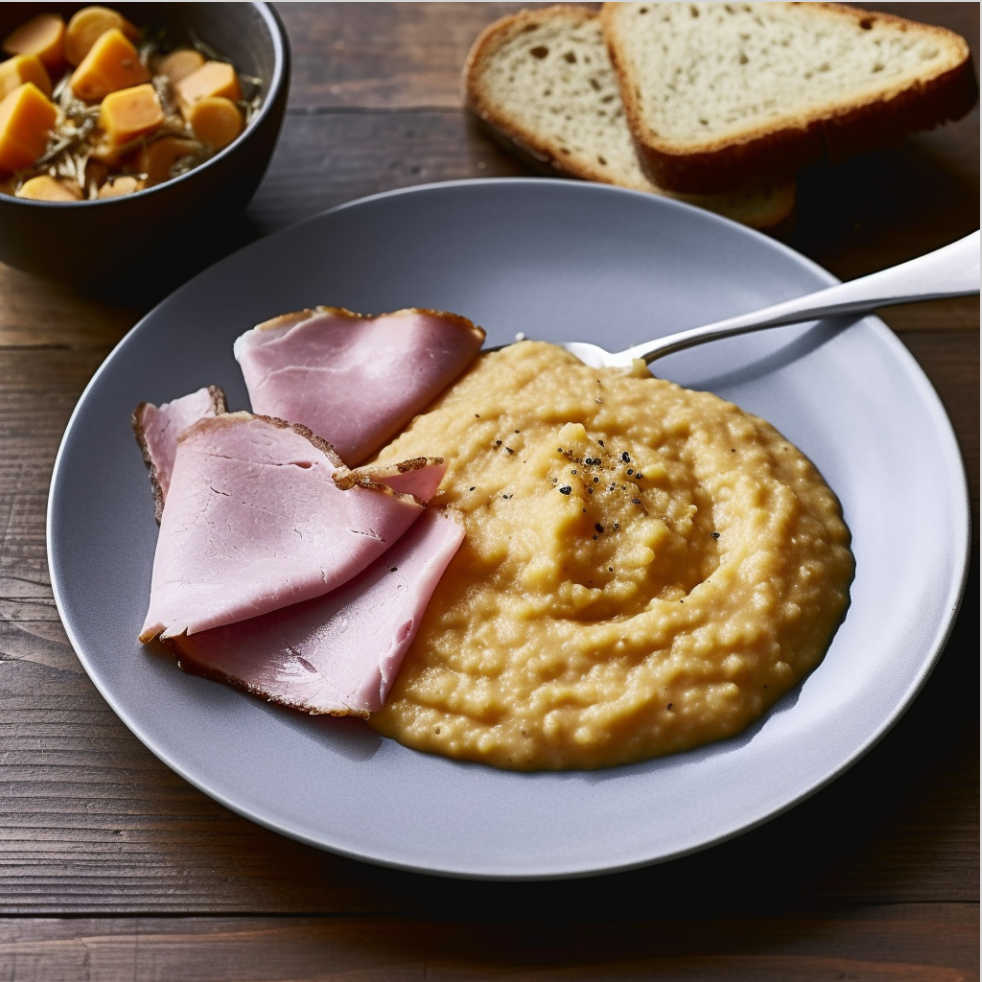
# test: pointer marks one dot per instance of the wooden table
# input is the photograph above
(113, 867)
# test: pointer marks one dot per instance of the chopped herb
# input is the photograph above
(565, 489)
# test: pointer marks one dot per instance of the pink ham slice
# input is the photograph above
(354, 380)
(254, 521)
(338, 654)
(158, 427)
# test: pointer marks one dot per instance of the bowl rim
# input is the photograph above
(281, 65)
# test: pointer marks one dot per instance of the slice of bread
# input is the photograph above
(717, 93)
(543, 82)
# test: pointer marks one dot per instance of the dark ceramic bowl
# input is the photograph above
(88, 243)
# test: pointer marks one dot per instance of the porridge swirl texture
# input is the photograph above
(646, 568)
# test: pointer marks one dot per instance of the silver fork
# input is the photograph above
(952, 271)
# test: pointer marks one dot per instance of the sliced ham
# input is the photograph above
(338, 654)
(158, 427)
(354, 380)
(254, 521)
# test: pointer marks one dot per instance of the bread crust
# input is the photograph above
(537, 152)
(775, 153)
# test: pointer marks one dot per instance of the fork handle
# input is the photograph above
(951, 271)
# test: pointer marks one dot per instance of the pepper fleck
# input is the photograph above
(626, 457)
(471, 488)
(509, 449)
(600, 442)
(598, 527)
(715, 535)
(392, 569)
(596, 480)
(635, 501)
(565, 489)
(669, 706)
(630, 470)
(497, 443)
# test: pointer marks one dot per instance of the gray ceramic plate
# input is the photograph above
(557, 260)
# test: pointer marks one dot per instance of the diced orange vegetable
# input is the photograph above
(156, 159)
(26, 117)
(216, 121)
(20, 69)
(88, 25)
(129, 113)
(119, 186)
(213, 78)
(112, 63)
(45, 188)
(180, 63)
(43, 35)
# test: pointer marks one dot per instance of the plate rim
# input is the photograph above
(949, 449)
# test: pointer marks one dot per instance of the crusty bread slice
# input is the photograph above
(719, 92)
(544, 84)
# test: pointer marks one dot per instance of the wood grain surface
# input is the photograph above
(113, 867)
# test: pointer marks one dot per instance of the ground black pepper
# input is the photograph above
(565, 489)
